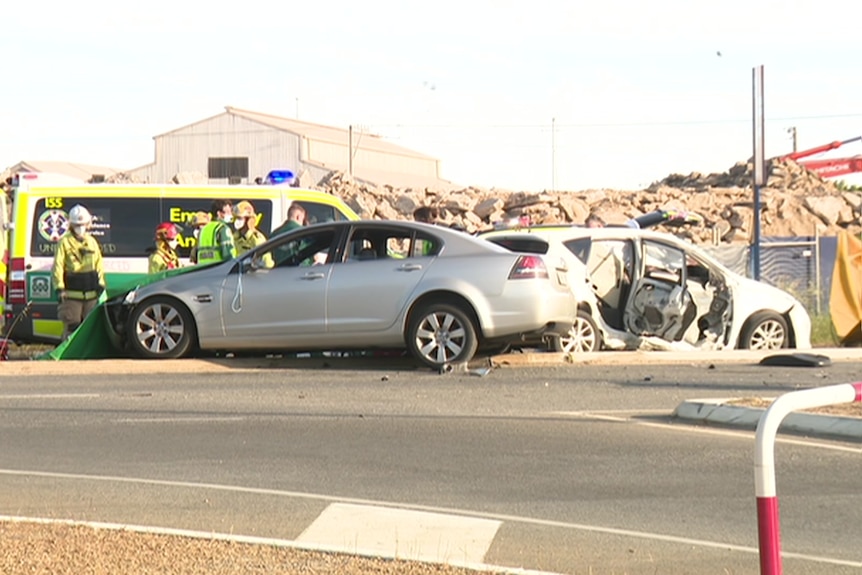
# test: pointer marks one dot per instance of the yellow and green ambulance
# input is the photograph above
(125, 217)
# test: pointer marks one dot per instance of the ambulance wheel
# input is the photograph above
(161, 328)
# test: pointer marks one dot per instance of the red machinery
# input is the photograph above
(832, 167)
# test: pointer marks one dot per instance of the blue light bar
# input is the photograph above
(276, 177)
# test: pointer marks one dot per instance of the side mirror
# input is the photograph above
(249, 264)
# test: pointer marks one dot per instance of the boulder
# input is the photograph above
(796, 202)
(827, 208)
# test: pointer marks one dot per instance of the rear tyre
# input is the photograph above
(582, 338)
(441, 334)
(765, 330)
(161, 328)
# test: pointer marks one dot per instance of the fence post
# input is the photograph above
(768, 529)
(817, 286)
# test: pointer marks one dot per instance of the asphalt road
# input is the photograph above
(581, 467)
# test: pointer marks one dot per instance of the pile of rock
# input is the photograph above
(795, 202)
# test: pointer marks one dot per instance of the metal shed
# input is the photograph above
(237, 146)
(72, 170)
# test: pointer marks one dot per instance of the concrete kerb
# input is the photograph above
(511, 360)
(719, 412)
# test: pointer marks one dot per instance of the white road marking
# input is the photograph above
(647, 535)
(401, 533)
(736, 434)
(51, 396)
(177, 419)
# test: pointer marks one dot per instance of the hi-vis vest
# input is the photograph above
(209, 250)
(78, 267)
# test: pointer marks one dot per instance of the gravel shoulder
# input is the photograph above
(841, 409)
(64, 549)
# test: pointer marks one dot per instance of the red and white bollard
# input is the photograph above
(768, 529)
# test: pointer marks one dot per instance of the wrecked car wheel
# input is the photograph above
(441, 334)
(764, 330)
(583, 337)
(161, 328)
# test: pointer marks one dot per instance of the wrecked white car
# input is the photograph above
(641, 289)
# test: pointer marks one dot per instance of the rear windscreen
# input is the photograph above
(125, 227)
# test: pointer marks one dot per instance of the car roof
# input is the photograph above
(457, 240)
(577, 231)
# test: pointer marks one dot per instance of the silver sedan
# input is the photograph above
(439, 293)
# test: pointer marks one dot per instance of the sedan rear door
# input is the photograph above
(382, 265)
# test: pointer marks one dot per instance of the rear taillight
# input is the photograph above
(17, 282)
(529, 267)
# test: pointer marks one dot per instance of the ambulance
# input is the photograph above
(125, 217)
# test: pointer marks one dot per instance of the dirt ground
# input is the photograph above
(841, 409)
(58, 549)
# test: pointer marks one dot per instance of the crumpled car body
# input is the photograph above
(643, 289)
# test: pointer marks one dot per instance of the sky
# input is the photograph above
(546, 95)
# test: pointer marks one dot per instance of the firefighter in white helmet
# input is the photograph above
(79, 275)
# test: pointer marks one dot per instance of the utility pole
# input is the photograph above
(350, 149)
(553, 154)
(297, 108)
(759, 176)
(792, 131)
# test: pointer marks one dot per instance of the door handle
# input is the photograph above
(409, 267)
(313, 276)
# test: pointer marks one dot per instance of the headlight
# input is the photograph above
(130, 297)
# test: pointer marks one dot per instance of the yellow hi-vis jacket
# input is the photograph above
(215, 243)
(162, 259)
(78, 267)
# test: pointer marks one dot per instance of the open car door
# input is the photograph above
(678, 298)
(660, 303)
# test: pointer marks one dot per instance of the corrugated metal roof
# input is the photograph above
(314, 131)
(379, 177)
(71, 169)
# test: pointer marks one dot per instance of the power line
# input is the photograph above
(616, 124)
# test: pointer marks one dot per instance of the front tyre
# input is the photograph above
(161, 328)
(764, 330)
(583, 337)
(441, 334)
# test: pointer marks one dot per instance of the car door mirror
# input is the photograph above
(250, 264)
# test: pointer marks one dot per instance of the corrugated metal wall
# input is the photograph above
(188, 149)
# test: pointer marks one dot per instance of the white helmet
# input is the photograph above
(79, 216)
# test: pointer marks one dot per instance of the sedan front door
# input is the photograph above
(278, 296)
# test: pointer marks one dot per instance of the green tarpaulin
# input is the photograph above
(92, 338)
